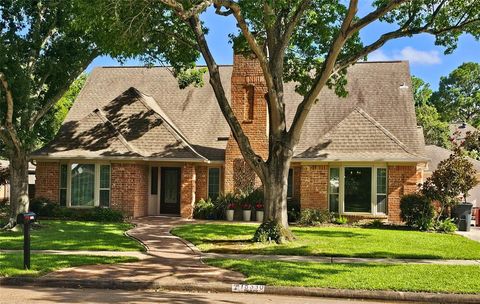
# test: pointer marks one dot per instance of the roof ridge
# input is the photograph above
(175, 131)
(118, 134)
(383, 129)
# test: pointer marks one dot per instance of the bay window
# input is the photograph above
(358, 189)
(85, 185)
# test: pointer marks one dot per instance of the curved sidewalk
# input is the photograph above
(168, 260)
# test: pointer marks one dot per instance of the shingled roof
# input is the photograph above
(138, 112)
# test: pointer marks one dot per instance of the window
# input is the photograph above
(85, 185)
(104, 195)
(63, 185)
(154, 180)
(358, 189)
(249, 104)
(334, 189)
(381, 198)
(290, 184)
(213, 182)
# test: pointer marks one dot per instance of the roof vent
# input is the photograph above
(404, 86)
(222, 138)
(463, 125)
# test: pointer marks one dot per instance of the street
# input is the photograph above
(59, 295)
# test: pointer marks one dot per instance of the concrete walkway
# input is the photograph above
(168, 260)
(473, 234)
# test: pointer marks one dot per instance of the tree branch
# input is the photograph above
(254, 160)
(186, 14)
(328, 65)
(9, 115)
(292, 24)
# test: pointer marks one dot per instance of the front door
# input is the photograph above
(170, 191)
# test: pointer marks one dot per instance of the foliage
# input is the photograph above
(454, 177)
(46, 208)
(435, 131)
(340, 220)
(472, 144)
(458, 96)
(293, 211)
(417, 211)
(259, 206)
(447, 225)
(270, 231)
(421, 92)
(204, 209)
(376, 223)
(224, 202)
(315, 217)
(4, 175)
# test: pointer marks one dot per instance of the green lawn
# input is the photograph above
(333, 241)
(12, 264)
(426, 278)
(74, 235)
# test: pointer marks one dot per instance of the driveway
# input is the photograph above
(168, 260)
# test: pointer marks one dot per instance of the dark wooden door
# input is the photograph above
(170, 191)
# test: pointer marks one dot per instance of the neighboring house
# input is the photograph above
(133, 141)
(5, 189)
(459, 131)
(437, 154)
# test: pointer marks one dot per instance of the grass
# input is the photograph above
(412, 277)
(332, 241)
(12, 264)
(73, 235)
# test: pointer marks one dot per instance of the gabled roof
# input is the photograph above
(130, 126)
(376, 121)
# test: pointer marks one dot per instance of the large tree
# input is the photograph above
(458, 96)
(308, 41)
(42, 53)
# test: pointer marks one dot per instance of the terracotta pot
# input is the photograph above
(247, 215)
(259, 216)
(230, 214)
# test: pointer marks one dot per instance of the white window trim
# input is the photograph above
(341, 194)
(219, 180)
(96, 193)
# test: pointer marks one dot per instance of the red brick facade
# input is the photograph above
(187, 190)
(401, 180)
(47, 180)
(202, 182)
(313, 187)
(129, 188)
(248, 103)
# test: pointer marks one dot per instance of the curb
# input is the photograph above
(227, 288)
(127, 234)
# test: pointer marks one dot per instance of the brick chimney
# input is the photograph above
(249, 105)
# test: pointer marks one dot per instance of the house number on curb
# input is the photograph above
(248, 288)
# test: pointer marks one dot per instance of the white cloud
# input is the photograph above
(409, 53)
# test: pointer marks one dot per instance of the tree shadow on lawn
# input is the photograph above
(331, 234)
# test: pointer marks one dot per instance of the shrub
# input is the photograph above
(224, 202)
(46, 208)
(340, 220)
(270, 231)
(446, 226)
(417, 211)
(376, 223)
(293, 211)
(204, 209)
(314, 217)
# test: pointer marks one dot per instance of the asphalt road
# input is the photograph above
(59, 295)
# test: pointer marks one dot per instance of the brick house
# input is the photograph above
(135, 142)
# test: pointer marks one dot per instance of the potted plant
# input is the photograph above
(259, 212)
(247, 211)
(230, 211)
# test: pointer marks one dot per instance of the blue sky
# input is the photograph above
(427, 61)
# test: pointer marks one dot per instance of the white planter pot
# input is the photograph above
(230, 215)
(247, 214)
(259, 216)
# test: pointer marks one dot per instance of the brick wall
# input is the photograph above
(129, 192)
(201, 182)
(247, 82)
(401, 180)
(47, 180)
(297, 171)
(313, 186)
(187, 190)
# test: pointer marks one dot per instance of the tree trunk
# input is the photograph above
(18, 187)
(275, 185)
